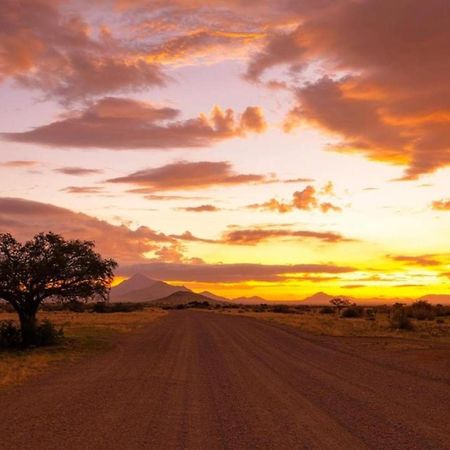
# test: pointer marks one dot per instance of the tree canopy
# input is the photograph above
(48, 266)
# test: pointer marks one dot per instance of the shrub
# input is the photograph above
(326, 310)
(47, 334)
(283, 309)
(422, 310)
(10, 336)
(103, 308)
(352, 312)
(399, 318)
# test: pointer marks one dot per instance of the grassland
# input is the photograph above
(85, 334)
(314, 322)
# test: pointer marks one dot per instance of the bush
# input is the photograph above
(10, 336)
(422, 310)
(399, 318)
(283, 309)
(47, 334)
(352, 312)
(326, 310)
(102, 307)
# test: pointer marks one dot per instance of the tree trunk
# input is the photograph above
(28, 326)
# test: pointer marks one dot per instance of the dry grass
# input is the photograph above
(330, 325)
(85, 333)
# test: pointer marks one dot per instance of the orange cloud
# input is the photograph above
(42, 47)
(120, 124)
(201, 208)
(418, 260)
(386, 91)
(307, 199)
(187, 175)
(441, 205)
(19, 164)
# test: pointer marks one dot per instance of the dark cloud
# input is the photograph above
(83, 190)
(188, 175)
(120, 124)
(77, 171)
(201, 208)
(229, 273)
(24, 218)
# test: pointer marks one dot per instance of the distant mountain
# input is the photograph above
(443, 299)
(140, 288)
(183, 297)
(255, 300)
(320, 298)
(214, 296)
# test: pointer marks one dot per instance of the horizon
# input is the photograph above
(271, 149)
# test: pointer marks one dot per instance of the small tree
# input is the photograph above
(46, 267)
(340, 303)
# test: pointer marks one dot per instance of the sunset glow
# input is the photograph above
(268, 148)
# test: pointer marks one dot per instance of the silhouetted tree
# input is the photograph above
(340, 302)
(48, 266)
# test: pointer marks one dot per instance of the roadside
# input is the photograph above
(85, 334)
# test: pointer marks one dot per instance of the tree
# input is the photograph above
(48, 266)
(340, 302)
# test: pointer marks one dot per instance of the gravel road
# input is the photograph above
(197, 380)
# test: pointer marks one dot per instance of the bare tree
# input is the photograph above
(48, 266)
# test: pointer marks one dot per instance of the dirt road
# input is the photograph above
(197, 380)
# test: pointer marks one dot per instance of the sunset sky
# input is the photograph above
(245, 147)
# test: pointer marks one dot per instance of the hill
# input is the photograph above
(213, 296)
(183, 298)
(320, 298)
(140, 288)
(255, 300)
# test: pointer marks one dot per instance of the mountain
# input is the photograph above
(255, 300)
(443, 299)
(183, 297)
(140, 288)
(319, 298)
(214, 296)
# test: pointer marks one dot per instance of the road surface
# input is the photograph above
(197, 380)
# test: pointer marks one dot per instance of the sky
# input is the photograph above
(244, 147)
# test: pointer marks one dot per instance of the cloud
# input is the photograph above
(418, 260)
(59, 53)
(83, 190)
(24, 218)
(77, 171)
(254, 236)
(378, 78)
(188, 175)
(229, 273)
(19, 164)
(307, 200)
(189, 237)
(260, 234)
(201, 208)
(119, 124)
(441, 205)
(272, 205)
